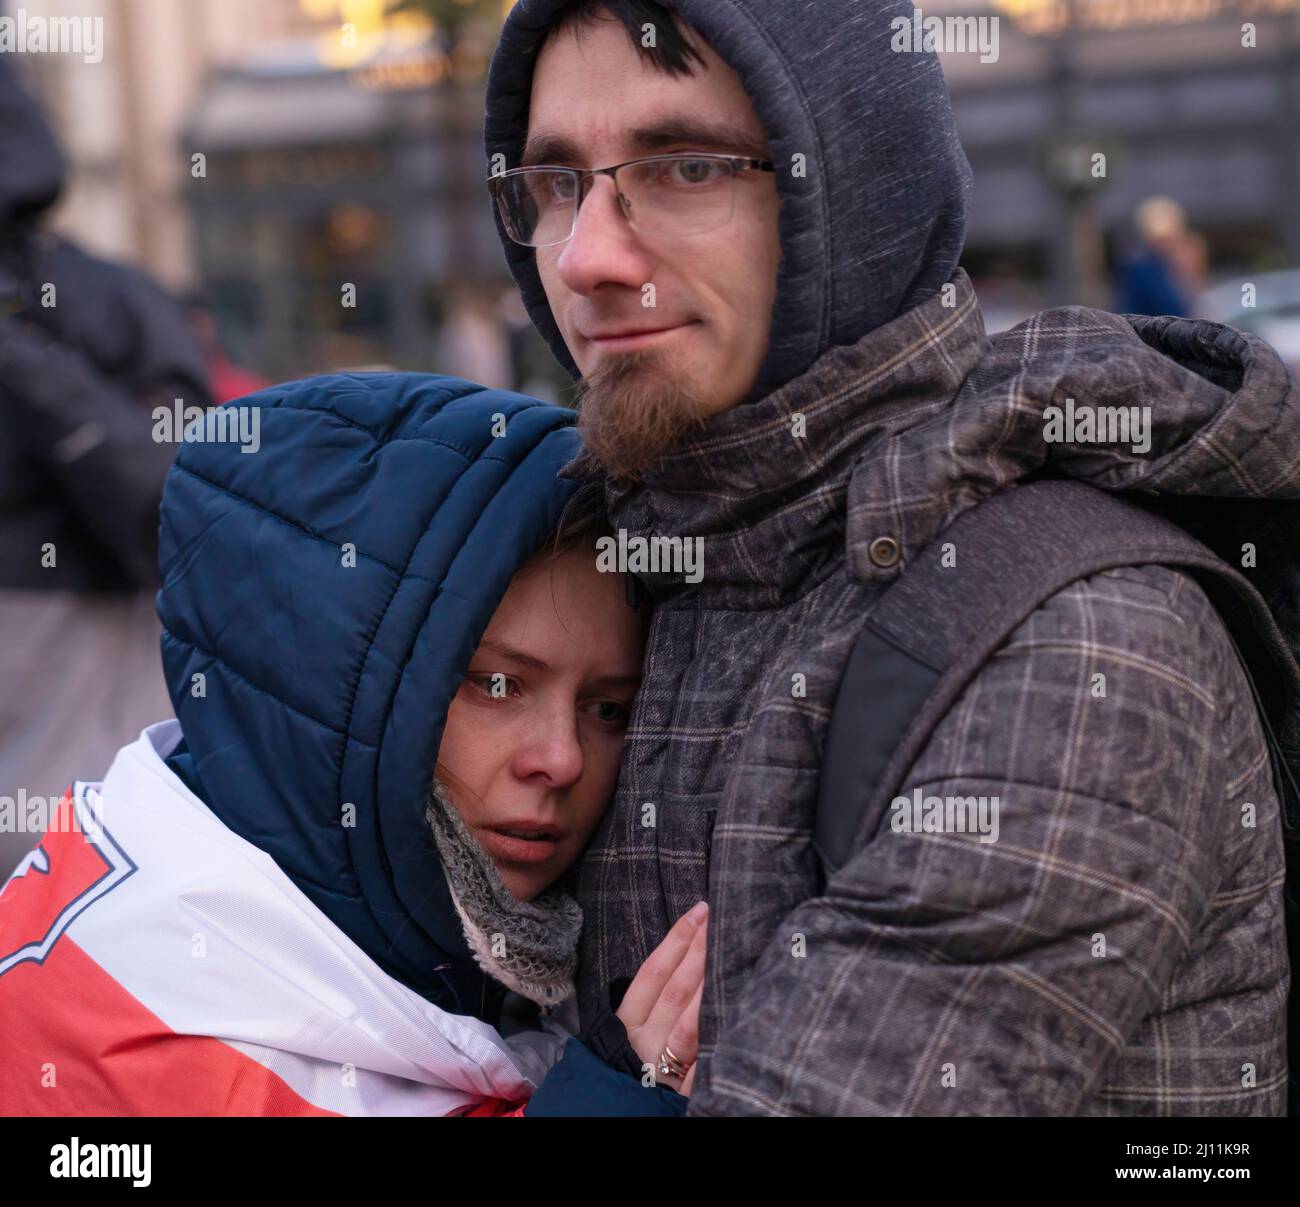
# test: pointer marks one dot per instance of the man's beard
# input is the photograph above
(632, 410)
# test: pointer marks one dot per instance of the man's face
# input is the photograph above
(712, 292)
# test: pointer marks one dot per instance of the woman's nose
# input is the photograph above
(553, 752)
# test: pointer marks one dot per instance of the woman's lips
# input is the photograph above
(513, 849)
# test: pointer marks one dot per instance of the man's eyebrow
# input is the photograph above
(545, 147)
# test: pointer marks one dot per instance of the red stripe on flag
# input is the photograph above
(496, 1108)
(67, 1022)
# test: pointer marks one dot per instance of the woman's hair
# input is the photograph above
(581, 524)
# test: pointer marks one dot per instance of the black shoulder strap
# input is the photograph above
(959, 601)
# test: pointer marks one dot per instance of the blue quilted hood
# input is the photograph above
(330, 589)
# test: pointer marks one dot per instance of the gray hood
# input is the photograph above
(876, 225)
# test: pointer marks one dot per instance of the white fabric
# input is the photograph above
(215, 939)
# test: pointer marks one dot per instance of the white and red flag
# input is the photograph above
(152, 962)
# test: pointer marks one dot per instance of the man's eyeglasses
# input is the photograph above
(671, 195)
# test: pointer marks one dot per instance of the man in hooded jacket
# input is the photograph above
(799, 378)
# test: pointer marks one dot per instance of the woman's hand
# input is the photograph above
(662, 1005)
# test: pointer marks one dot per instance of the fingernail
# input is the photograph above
(698, 910)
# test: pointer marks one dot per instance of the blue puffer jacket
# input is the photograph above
(331, 589)
(321, 601)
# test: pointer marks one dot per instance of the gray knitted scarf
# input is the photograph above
(529, 946)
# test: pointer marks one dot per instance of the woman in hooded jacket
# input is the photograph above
(339, 882)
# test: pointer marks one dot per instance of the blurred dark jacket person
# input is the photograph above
(87, 350)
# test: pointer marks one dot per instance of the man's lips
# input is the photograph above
(521, 842)
(631, 337)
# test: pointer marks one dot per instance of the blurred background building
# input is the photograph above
(308, 177)
(340, 143)
(1196, 100)
(309, 172)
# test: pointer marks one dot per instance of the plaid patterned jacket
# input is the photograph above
(1120, 949)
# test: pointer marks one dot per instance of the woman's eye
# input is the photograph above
(611, 713)
(496, 686)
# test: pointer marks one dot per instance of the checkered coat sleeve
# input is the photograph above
(1075, 965)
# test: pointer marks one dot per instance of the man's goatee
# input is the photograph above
(632, 411)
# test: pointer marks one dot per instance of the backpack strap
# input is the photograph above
(937, 624)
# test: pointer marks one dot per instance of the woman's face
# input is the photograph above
(535, 733)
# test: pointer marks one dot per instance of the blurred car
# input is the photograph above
(1274, 317)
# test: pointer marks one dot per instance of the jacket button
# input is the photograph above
(884, 551)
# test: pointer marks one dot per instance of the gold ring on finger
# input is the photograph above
(671, 1065)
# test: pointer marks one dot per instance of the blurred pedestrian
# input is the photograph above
(87, 350)
(473, 342)
(228, 380)
(1166, 274)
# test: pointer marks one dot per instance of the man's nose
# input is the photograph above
(603, 247)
